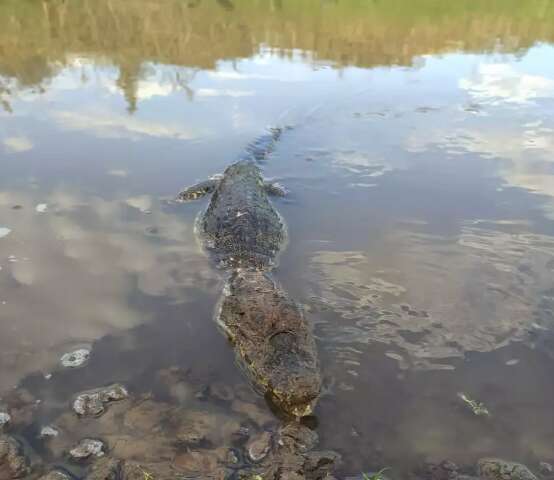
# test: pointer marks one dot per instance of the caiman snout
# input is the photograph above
(296, 386)
(273, 341)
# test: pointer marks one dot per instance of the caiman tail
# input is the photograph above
(273, 341)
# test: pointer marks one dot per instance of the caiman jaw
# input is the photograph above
(298, 410)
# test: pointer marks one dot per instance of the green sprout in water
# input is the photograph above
(375, 476)
(146, 475)
(476, 407)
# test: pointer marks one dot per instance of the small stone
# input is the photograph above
(89, 404)
(195, 427)
(149, 447)
(202, 393)
(146, 416)
(232, 457)
(4, 231)
(21, 406)
(75, 359)
(497, 469)
(41, 207)
(105, 469)
(449, 466)
(4, 419)
(259, 446)
(222, 392)
(181, 392)
(56, 475)
(49, 431)
(13, 462)
(546, 468)
(87, 448)
(258, 415)
(93, 402)
(297, 438)
(174, 380)
(17, 207)
(322, 462)
(201, 463)
(445, 470)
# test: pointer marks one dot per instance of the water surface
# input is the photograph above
(420, 213)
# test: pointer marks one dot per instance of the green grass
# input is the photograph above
(375, 476)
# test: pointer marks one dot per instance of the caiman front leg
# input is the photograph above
(199, 190)
(275, 189)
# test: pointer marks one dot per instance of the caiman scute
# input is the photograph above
(244, 232)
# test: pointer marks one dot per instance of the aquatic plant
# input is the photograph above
(478, 408)
(146, 475)
(375, 476)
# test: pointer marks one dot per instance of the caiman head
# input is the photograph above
(272, 340)
(296, 382)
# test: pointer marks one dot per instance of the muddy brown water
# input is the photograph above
(420, 214)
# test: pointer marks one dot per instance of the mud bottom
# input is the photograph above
(187, 430)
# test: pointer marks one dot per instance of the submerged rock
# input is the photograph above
(445, 470)
(202, 463)
(498, 469)
(291, 457)
(223, 392)
(105, 469)
(258, 447)
(13, 462)
(147, 447)
(94, 402)
(295, 437)
(5, 418)
(75, 359)
(147, 415)
(320, 463)
(546, 468)
(21, 406)
(57, 475)
(49, 431)
(174, 381)
(195, 427)
(88, 447)
(260, 416)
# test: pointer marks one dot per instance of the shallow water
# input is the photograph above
(420, 213)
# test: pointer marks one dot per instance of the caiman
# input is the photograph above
(245, 234)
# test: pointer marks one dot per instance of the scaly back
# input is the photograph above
(241, 226)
